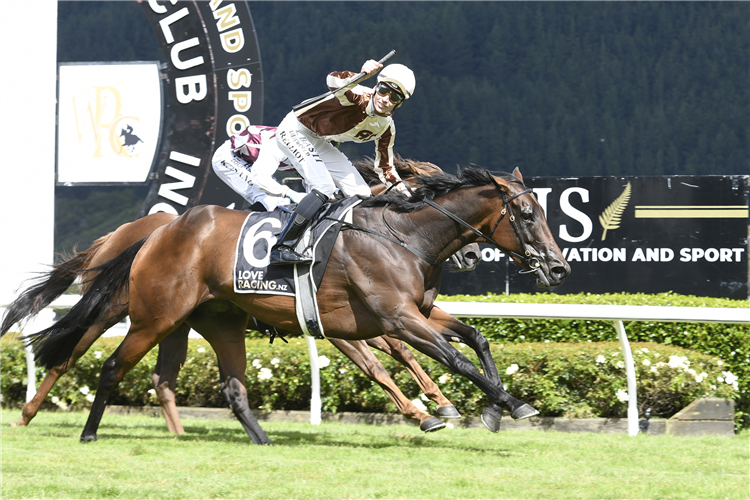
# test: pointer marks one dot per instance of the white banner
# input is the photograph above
(27, 135)
(109, 120)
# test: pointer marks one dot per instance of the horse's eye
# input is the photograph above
(527, 213)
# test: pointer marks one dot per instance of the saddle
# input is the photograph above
(252, 274)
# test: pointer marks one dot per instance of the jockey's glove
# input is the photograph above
(295, 196)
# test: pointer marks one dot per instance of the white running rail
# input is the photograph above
(616, 314)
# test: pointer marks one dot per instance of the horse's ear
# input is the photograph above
(517, 174)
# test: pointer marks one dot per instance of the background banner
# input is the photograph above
(215, 87)
(685, 234)
(109, 122)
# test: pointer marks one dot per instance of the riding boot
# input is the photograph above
(307, 209)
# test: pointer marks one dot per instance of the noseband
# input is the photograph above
(531, 262)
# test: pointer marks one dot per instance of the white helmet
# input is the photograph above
(401, 76)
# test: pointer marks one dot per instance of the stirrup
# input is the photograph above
(284, 255)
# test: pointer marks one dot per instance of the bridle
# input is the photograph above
(532, 262)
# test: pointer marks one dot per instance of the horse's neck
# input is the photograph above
(431, 231)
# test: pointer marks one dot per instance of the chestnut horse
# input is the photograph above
(173, 349)
(373, 284)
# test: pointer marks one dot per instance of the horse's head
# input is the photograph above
(527, 237)
(523, 235)
(466, 259)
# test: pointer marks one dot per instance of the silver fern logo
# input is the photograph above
(610, 219)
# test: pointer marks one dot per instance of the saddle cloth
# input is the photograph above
(252, 274)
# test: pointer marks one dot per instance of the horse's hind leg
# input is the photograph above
(398, 351)
(172, 354)
(137, 343)
(31, 408)
(362, 356)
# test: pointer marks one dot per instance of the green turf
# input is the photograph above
(135, 457)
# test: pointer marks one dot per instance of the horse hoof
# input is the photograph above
(449, 411)
(88, 439)
(491, 418)
(524, 411)
(432, 424)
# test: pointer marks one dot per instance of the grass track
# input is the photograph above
(135, 457)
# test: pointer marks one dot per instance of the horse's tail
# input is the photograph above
(54, 345)
(49, 286)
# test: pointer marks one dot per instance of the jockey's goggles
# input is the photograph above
(385, 89)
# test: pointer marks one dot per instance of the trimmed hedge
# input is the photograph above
(564, 368)
(728, 342)
(573, 380)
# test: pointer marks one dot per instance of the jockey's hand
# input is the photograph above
(371, 67)
(295, 196)
(401, 188)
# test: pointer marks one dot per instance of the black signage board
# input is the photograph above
(684, 234)
(239, 83)
(215, 85)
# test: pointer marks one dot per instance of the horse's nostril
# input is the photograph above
(471, 256)
(559, 272)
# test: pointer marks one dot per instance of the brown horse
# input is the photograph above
(184, 271)
(173, 349)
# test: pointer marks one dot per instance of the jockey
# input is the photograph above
(232, 162)
(352, 113)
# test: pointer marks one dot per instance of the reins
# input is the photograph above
(418, 253)
(532, 263)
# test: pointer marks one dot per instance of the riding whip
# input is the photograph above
(356, 78)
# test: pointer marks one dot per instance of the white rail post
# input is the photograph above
(630, 375)
(315, 402)
(30, 373)
(41, 321)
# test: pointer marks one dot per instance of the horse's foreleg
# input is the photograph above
(457, 331)
(233, 363)
(418, 332)
(398, 351)
(172, 354)
(234, 392)
(362, 356)
(225, 331)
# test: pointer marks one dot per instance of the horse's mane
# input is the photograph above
(406, 168)
(433, 186)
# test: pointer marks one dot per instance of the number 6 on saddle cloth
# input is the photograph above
(253, 274)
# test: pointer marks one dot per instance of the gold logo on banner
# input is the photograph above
(610, 218)
(691, 212)
(118, 129)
